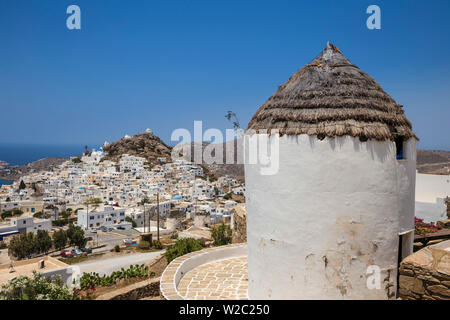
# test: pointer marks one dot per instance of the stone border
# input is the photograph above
(135, 291)
(180, 266)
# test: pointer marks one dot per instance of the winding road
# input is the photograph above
(107, 266)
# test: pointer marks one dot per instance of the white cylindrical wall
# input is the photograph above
(334, 208)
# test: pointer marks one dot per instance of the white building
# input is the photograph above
(337, 196)
(108, 216)
(24, 225)
(8, 206)
(431, 193)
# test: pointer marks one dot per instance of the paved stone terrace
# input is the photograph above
(211, 280)
(218, 280)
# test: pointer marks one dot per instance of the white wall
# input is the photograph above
(431, 186)
(431, 190)
(431, 212)
(334, 208)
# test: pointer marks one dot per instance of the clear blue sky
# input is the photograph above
(164, 64)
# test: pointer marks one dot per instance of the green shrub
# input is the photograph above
(92, 280)
(157, 244)
(117, 248)
(143, 245)
(221, 235)
(38, 214)
(129, 219)
(174, 236)
(182, 247)
(36, 288)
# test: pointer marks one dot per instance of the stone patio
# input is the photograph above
(217, 273)
(219, 280)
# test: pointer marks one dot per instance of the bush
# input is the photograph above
(157, 244)
(36, 288)
(221, 235)
(227, 196)
(182, 247)
(143, 245)
(117, 248)
(174, 236)
(3, 245)
(38, 214)
(60, 222)
(10, 213)
(92, 280)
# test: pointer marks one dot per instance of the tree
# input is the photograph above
(76, 160)
(227, 196)
(8, 199)
(64, 214)
(22, 246)
(133, 223)
(59, 239)
(22, 185)
(76, 236)
(43, 241)
(221, 234)
(229, 116)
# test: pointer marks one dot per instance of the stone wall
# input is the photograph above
(426, 274)
(136, 291)
(239, 224)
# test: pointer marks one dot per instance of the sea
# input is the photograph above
(20, 154)
(6, 182)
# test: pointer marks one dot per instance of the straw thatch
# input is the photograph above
(332, 97)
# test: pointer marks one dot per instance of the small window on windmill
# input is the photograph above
(399, 146)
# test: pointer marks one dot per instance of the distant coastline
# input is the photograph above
(22, 154)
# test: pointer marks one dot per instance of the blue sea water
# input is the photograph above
(20, 154)
(2, 182)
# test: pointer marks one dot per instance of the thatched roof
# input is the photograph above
(332, 97)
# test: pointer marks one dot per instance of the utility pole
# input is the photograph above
(157, 210)
(143, 212)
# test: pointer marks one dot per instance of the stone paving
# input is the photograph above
(218, 280)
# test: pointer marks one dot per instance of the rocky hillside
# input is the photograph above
(433, 161)
(235, 169)
(146, 145)
(15, 172)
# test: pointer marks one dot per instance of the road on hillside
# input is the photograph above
(107, 266)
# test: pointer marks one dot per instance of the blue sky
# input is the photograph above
(164, 64)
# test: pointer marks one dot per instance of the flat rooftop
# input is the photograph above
(26, 268)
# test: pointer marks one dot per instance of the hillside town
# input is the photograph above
(103, 193)
(291, 173)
